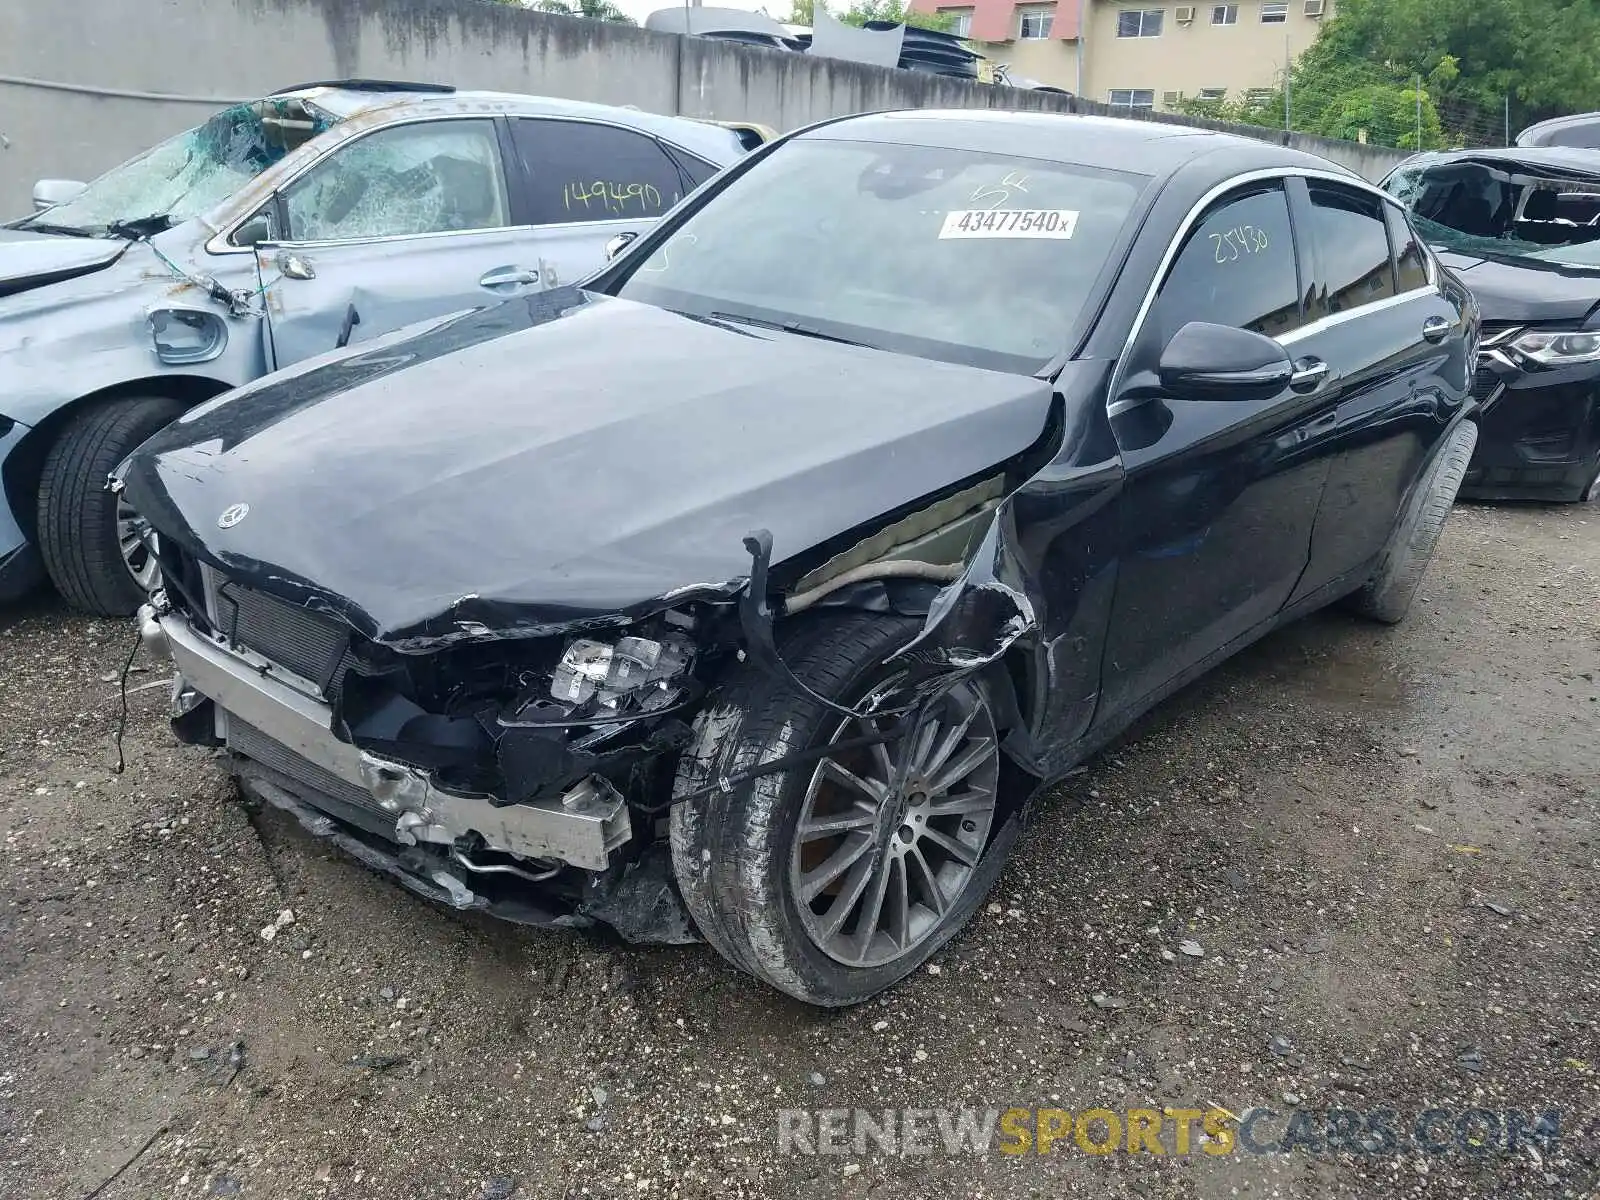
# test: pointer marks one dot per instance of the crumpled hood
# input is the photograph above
(48, 257)
(1525, 291)
(563, 458)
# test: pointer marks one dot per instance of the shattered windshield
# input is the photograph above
(191, 173)
(1484, 210)
(957, 255)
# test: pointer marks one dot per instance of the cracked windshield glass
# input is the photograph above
(1476, 208)
(191, 173)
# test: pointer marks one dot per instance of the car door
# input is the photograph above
(404, 223)
(589, 181)
(1388, 331)
(1220, 495)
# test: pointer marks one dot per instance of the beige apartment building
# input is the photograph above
(1140, 55)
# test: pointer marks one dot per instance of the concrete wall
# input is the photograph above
(87, 84)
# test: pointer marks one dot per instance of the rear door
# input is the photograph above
(587, 182)
(405, 223)
(1220, 495)
(1393, 338)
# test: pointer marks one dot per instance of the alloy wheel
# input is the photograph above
(136, 542)
(875, 869)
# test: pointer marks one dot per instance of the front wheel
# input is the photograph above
(826, 881)
(94, 545)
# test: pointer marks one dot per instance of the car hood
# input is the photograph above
(562, 459)
(28, 259)
(1525, 291)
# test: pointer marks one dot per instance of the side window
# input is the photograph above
(1353, 246)
(583, 171)
(432, 177)
(1236, 268)
(1410, 269)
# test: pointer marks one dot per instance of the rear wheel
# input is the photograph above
(827, 881)
(1387, 596)
(92, 542)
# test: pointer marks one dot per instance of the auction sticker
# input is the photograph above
(1009, 223)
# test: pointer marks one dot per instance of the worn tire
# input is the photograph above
(78, 516)
(730, 851)
(1387, 596)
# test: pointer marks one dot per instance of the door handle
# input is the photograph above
(509, 277)
(1308, 374)
(1435, 329)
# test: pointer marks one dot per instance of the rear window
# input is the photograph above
(959, 255)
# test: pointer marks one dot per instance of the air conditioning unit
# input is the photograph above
(1185, 13)
(1315, 8)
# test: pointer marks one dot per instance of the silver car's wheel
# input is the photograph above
(874, 869)
(137, 542)
(88, 537)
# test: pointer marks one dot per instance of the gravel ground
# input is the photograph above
(1382, 843)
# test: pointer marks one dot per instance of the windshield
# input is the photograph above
(1482, 210)
(191, 173)
(956, 255)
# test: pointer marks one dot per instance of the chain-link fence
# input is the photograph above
(1371, 103)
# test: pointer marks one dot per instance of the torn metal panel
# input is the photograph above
(832, 38)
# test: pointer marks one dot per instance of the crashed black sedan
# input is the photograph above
(1521, 228)
(751, 591)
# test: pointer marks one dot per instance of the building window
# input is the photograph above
(960, 21)
(1036, 23)
(1133, 99)
(1274, 14)
(1225, 14)
(1139, 22)
(1211, 95)
(1258, 96)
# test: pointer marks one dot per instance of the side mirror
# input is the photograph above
(48, 193)
(618, 244)
(1219, 362)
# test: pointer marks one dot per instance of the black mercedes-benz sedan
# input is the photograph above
(750, 591)
(1521, 228)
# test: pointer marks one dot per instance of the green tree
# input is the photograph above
(1473, 60)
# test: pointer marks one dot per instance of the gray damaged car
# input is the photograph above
(273, 233)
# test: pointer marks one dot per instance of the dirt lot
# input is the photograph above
(1330, 818)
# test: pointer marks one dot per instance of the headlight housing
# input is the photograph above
(1558, 349)
(634, 672)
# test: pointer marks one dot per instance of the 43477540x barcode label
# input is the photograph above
(1009, 223)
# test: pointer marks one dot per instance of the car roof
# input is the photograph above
(1535, 135)
(1143, 147)
(1566, 159)
(352, 102)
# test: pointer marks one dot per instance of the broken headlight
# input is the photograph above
(633, 672)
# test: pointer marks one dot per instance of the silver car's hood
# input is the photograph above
(26, 255)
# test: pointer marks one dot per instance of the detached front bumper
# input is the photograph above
(1538, 432)
(272, 725)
